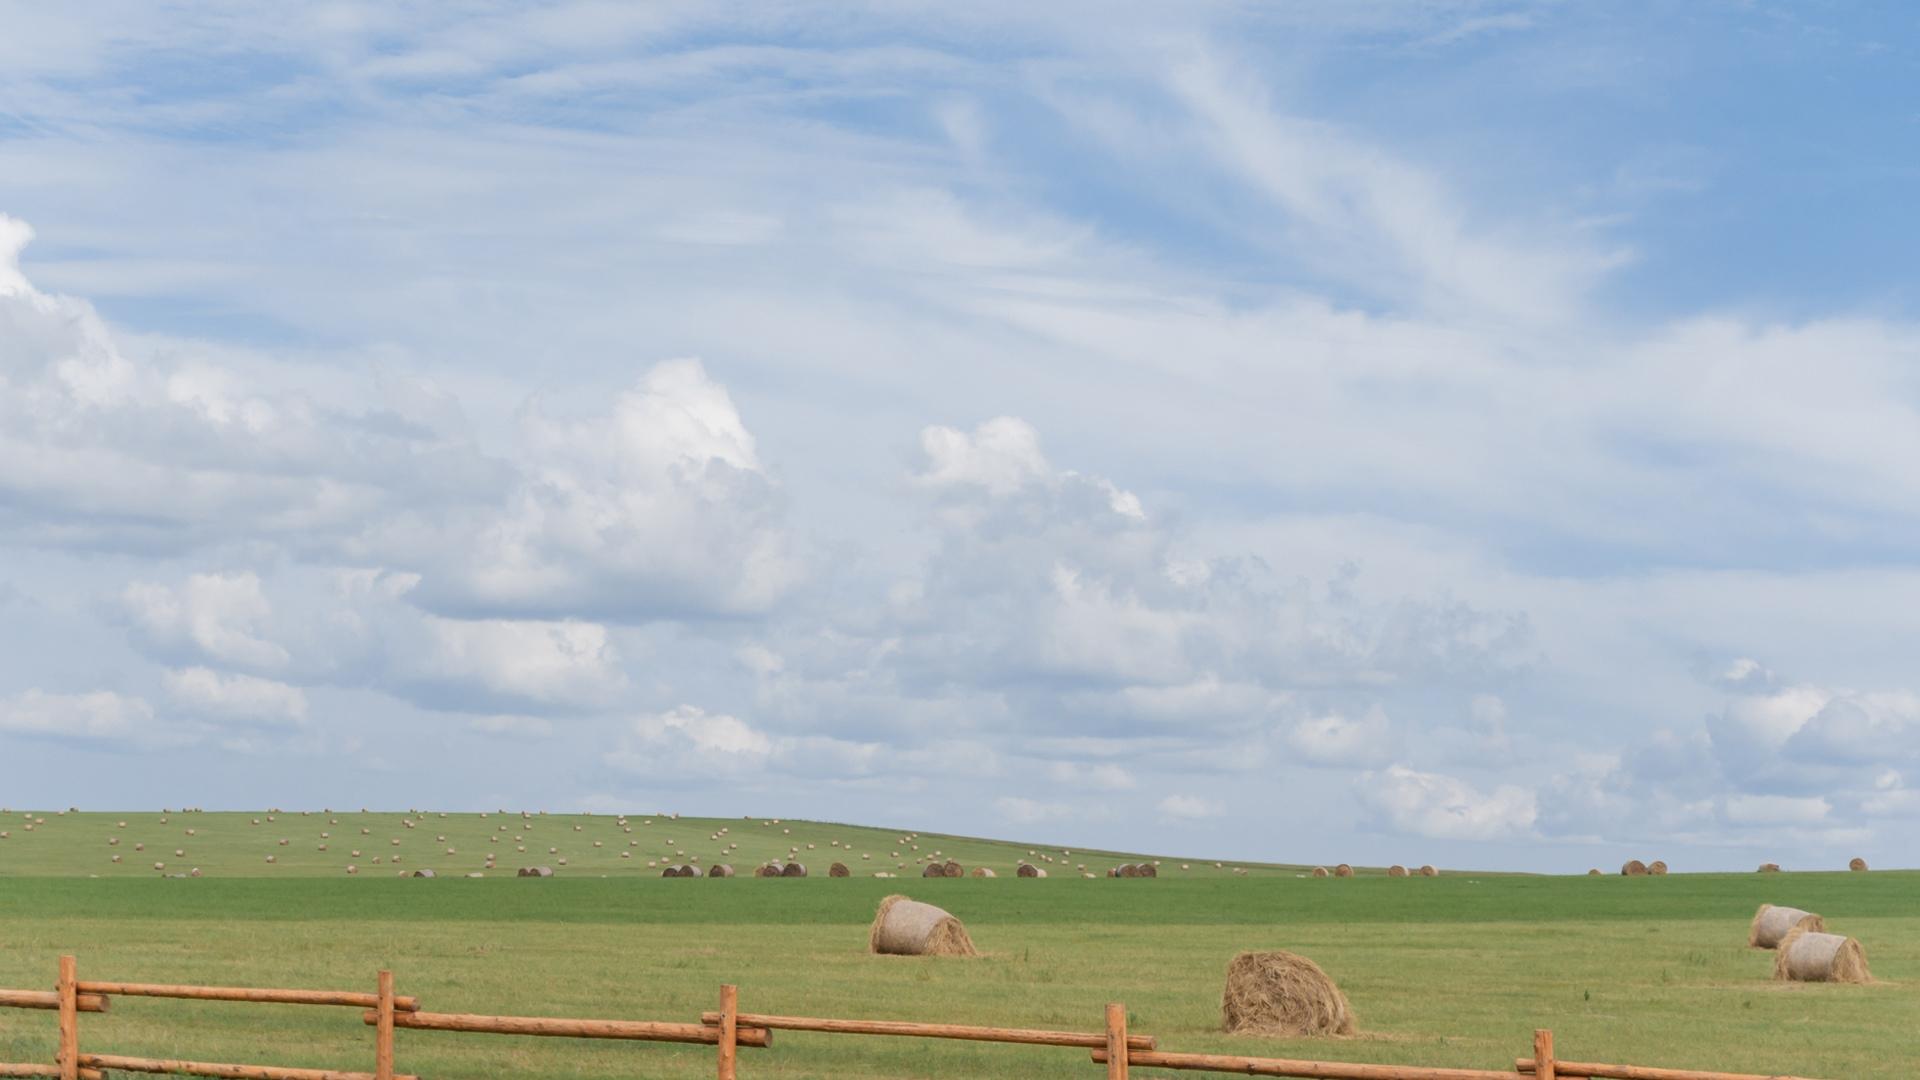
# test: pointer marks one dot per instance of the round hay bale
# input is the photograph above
(1806, 956)
(771, 869)
(1343, 870)
(720, 869)
(1768, 868)
(793, 869)
(953, 869)
(1772, 923)
(1429, 871)
(1396, 870)
(905, 927)
(839, 869)
(1857, 864)
(984, 871)
(1633, 868)
(1657, 868)
(933, 870)
(1283, 994)
(537, 871)
(1148, 870)
(1319, 871)
(1029, 870)
(423, 873)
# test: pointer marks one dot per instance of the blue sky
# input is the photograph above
(1456, 432)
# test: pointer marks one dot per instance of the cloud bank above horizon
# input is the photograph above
(1176, 436)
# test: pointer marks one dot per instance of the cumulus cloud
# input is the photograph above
(1099, 777)
(100, 716)
(1333, 739)
(689, 745)
(219, 616)
(236, 699)
(1443, 807)
(1189, 808)
(1020, 810)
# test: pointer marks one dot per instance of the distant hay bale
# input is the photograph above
(984, 871)
(1857, 864)
(772, 869)
(1429, 871)
(423, 873)
(1657, 868)
(1772, 923)
(839, 870)
(720, 869)
(1396, 870)
(1319, 871)
(1151, 870)
(1283, 994)
(1633, 868)
(1768, 868)
(535, 871)
(933, 870)
(953, 869)
(1806, 956)
(906, 927)
(1343, 870)
(1029, 870)
(1595, 872)
(794, 869)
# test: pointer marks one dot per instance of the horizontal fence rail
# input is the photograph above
(726, 1029)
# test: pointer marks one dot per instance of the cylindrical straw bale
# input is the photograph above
(984, 871)
(1429, 871)
(1284, 994)
(1396, 870)
(905, 927)
(1805, 956)
(1857, 864)
(954, 869)
(1772, 923)
(839, 869)
(1319, 871)
(720, 869)
(1658, 868)
(793, 869)
(1343, 870)
(1633, 868)
(1030, 870)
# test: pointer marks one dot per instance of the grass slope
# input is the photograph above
(233, 845)
(1455, 970)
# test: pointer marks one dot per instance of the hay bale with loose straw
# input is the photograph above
(1857, 864)
(1806, 956)
(1658, 868)
(1633, 868)
(1029, 870)
(953, 869)
(1343, 870)
(1282, 994)
(839, 869)
(1772, 923)
(1396, 870)
(907, 927)
(794, 869)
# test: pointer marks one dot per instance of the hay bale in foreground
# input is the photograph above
(1284, 994)
(1343, 870)
(1806, 956)
(794, 869)
(720, 869)
(1769, 868)
(839, 869)
(1319, 871)
(907, 927)
(1029, 870)
(1857, 864)
(1772, 923)
(984, 871)
(1396, 870)
(1658, 868)
(1633, 868)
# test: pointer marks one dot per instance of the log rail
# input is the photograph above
(726, 1029)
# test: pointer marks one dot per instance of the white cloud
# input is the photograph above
(1189, 808)
(236, 699)
(1333, 739)
(1100, 777)
(552, 663)
(1776, 810)
(218, 616)
(100, 716)
(1445, 808)
(1020, 810)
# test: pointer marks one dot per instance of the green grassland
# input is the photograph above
(1454, 971)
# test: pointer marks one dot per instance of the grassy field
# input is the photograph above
(1455, 970)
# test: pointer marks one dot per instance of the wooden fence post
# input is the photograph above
(729, 1028)
(69, 988)
(1116, 1041)
(1543, 1054)
(383, 1029)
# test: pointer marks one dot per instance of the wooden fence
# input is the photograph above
(726, 1029)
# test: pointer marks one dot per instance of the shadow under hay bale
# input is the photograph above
(1396, 870)
(1772, 923)
(720, 870)
(1319, 871)
(1658, 868)
(1633, 868)
(1282, 994)
(794, 869)
(839, 869)
(1805, 956)
(1029, 870)
(1857, 864)
(907, 927)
